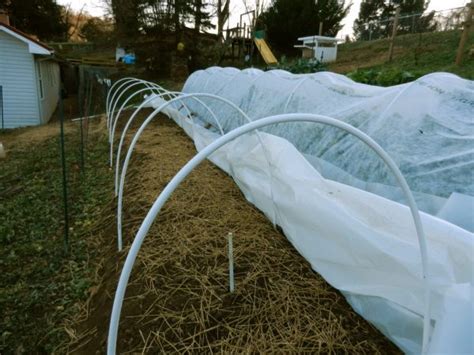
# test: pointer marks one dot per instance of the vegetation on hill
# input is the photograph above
(415, 55)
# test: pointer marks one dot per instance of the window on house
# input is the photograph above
(40, 80)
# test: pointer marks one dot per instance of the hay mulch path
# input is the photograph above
(178, 299)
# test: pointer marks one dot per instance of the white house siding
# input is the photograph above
(17, 77)
(50, 80)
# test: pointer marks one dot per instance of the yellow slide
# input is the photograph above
(265, 51)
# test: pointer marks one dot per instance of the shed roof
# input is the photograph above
(320, 39)
(34, 46)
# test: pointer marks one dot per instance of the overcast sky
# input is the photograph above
(96, 8)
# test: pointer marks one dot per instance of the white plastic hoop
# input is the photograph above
(140, 131)
(292, 93)
(114, 119)
(111, 93)
(203, 154)
(129, 122)
(124, 87)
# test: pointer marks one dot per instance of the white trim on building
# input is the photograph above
(33, 47)
(321, 48)
(29, 77)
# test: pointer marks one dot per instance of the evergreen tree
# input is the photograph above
(371, 11)
(286, 20)
(201, 15)
(126, 15)
(418, 22)
(375, 18)
(42, 18)
(159, 16)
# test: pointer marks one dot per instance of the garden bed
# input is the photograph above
(41, 284)
(178, 298)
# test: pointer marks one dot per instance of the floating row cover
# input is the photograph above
(426, 126)
(363, 244)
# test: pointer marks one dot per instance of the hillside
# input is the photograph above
(418, 54)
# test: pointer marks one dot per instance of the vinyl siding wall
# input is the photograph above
(50, 81)
(17, 77)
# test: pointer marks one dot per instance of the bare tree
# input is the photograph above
(222, 16)
(79, 19)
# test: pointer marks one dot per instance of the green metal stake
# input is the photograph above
(89, 106)
(81, 114)
(63, 163)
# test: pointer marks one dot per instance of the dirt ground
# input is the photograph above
(178, 299)
(13, 138)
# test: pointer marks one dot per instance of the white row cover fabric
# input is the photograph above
(362, 244)
(426, 126)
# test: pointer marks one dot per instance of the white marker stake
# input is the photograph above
(231, 263)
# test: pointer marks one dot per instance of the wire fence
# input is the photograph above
(434, 21)
(91, 94)
(456, 21)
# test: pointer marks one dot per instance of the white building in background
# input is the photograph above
(321, 48)
(29, 78)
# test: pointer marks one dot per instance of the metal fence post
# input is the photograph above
(394, 34)
(465, 33)
(63, 163)
(81, 114)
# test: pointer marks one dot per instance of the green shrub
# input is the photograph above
(364, 76)
(301, 66)
(394, 77)
(388, 77)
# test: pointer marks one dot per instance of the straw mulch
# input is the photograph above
(178, 299)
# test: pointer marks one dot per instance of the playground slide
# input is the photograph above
(265, 51)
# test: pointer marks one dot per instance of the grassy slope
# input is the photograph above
(40, 285)
(418, 54)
